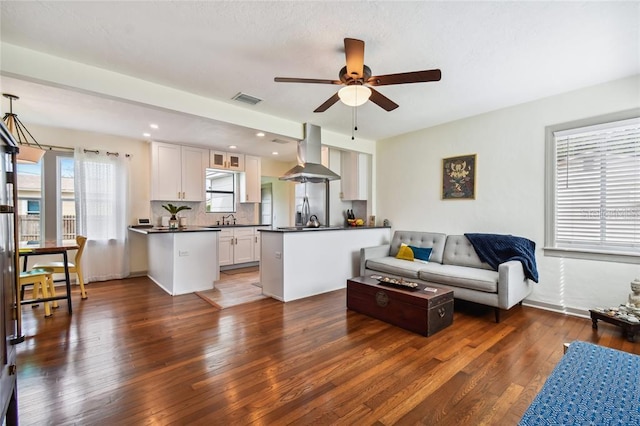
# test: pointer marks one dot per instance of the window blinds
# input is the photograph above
(597, 194)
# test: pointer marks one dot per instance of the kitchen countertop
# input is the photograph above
(322, 228)
(203, 228)
(166, 230)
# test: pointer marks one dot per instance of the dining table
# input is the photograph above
(29, 249)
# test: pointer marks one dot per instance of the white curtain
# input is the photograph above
(102, 212)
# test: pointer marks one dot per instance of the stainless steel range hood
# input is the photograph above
(309, 168)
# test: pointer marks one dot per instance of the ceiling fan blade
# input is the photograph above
(382, 101)
(405, 77)
(325, 106)
(305, 80)
(354, 52)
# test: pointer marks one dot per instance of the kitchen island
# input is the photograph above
(182, 260)
(302, 262)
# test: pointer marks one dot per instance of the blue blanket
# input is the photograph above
(495, 249)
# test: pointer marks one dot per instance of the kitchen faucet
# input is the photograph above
(227, 217)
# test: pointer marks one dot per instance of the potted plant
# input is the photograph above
(173, 221)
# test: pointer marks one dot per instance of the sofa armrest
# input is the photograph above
(513, 286)
(372, 253)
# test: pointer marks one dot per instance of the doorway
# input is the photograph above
(266, 204)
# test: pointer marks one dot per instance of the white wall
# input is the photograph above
(510, 148)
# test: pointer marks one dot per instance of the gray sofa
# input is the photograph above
(454, 265)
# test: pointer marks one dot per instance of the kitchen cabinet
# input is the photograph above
(177, 172)
(226, 160)
(239, 245)
(256, 242)
(225, 249)
(355, 175)
(243, 245)
(250, 180)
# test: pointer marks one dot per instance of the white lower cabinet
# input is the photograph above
(256, 242)
(243, 245)
(239, 245)
(225, 248)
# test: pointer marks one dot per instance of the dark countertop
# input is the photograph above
(166, 230)
(322, 228)
(239, 225)
(146, 229)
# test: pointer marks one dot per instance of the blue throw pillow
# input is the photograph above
(421, 253)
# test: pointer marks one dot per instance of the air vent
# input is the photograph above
(280, 141)
(247, 99)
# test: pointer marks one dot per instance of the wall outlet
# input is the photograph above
(183, 253)
(278, 255)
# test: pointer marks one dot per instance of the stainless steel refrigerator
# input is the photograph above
(318, 196)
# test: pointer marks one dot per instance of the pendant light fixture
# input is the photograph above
(30, 153)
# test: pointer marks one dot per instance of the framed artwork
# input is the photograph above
(459, 178)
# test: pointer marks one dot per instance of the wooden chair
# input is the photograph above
(75, 267)
(42, 281)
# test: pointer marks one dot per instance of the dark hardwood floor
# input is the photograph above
(131, 354)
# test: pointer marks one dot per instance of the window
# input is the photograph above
(46, 205)
(220, 192)
(29, 184)
(593, 189)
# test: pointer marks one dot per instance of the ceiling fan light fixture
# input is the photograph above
(354, 95)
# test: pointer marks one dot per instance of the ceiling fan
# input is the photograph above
(358, 81)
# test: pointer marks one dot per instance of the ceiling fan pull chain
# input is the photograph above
(354, 122)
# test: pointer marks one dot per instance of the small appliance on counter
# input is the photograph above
(143, 222)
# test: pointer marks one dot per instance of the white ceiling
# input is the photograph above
(492, 55)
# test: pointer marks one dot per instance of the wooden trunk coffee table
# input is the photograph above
(422, 311)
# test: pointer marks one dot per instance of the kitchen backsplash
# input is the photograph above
(246, 213)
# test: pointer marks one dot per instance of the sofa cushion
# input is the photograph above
(391, 265)
(405, 253)
(461, 276)
(421, 254)
(432, 240)
(459, 251)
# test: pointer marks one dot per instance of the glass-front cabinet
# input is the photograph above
(226, 160)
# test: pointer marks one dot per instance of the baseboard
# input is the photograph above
(239, 265)
(137, 274)
(582, 313)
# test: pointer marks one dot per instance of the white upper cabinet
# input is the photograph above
(177, 172)
(355, 175)
(226, 160)
(250, 180)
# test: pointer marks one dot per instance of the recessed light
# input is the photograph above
(146, 135)
(274, 153)
(232, 147)
(260, 134)
(153, 126)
